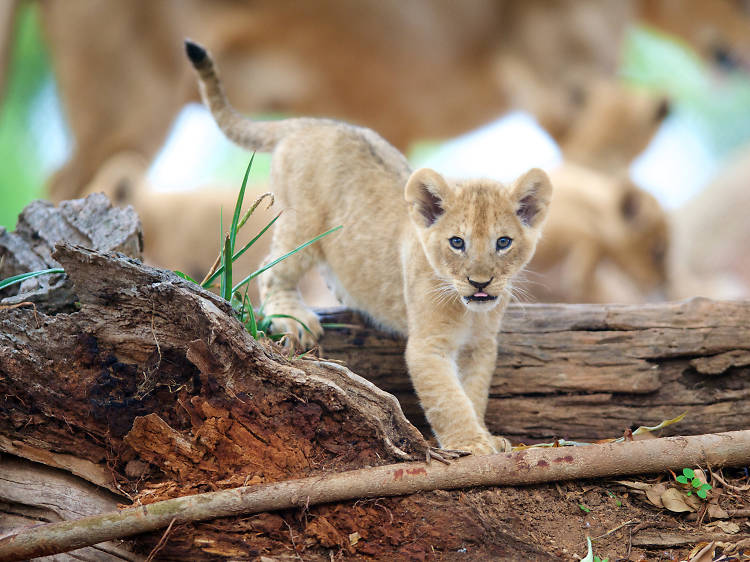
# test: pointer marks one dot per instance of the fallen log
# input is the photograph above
(588, 372)
(145, 385)
(528, 466)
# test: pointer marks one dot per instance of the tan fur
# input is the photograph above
(605, 240)
(377, 63)
(711, 235)
(616, 126)
(372, 62)
(393, 260)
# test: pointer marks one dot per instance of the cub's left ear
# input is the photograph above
(531, 194)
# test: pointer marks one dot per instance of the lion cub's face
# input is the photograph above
(477, 234)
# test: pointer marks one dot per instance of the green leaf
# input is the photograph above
(702, 493)
(590, 554)
(682, 479)
(688, 472)
(300, 322)
(277, 260)
(706, 487)
(238, 209)
(186, 277)
(584, 508)
(226, 276)
(21, 277)
(252, 325)
(697, 483)
(239, 253)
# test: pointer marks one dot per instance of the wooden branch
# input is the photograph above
(588, 371)
(521, 467)
(32, 493)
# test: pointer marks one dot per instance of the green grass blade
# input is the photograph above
(226, 276)
(253, 324)
(277, 260)
(240, 252)
(21, 277)
(238, 209)
(221, 248)
(300, 322)
(185, 276)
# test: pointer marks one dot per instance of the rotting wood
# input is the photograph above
(520, 467)
(588, 371)
(147, 342)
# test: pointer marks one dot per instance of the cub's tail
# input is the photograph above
(262, 136)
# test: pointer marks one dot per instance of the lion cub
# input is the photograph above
(422, 256)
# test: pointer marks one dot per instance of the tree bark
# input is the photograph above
(588, 372)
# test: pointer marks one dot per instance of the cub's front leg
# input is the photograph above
(476, 365)
(449, 410)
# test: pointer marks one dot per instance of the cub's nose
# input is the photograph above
(478, 285)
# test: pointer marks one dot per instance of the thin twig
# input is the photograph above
(631, 522)
(162, 542)
(212, 269)
(728, 485)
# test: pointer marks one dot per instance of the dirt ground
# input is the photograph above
(545, 522)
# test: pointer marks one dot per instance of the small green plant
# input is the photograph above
(618, 503)
(255, 321)
(584, 508)
(688, 478)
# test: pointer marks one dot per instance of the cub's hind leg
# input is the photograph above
(279, 285)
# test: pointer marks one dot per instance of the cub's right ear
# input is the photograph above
(425, 193)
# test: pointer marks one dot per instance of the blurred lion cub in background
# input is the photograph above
(420, 255)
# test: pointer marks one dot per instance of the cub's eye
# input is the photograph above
(457, 243)
(503, 242)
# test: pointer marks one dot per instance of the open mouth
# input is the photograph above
(480, 296)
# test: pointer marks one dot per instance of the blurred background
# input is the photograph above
(638, 109)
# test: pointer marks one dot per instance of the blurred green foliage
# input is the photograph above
(21, 176)
(714, 101)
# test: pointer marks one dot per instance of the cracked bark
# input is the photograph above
(589, 371)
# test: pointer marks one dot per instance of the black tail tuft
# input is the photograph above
(195, 52)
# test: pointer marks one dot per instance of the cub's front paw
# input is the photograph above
(479, 446)
(302, 327)
(502, 444)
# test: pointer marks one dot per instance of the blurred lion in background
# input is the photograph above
(378, 63)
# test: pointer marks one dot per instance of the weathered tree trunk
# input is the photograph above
(145, 386)
(589, 371)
